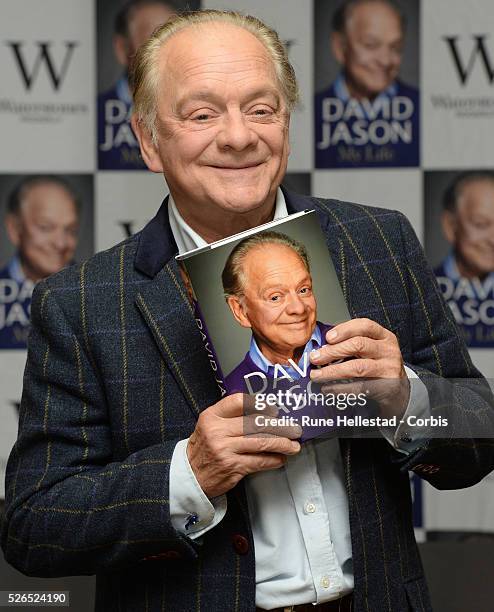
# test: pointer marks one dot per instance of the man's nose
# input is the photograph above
(295, 304)
(60, 241)
(385, 57)
(235, 132)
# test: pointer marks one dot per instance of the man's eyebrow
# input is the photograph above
(280, 285)
(209, 95)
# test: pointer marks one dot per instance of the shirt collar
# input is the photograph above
(315, 341)
(341, 90)
(187, 239)
(123, 90)
(15, 271)
(451, 268)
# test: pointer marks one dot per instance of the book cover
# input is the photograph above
(263, 299)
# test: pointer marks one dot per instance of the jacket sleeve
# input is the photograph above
(464, 454)
(70, 507)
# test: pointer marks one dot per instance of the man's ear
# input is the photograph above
(448, 222)
(149, 151)
(338, 46)
(12, 225)
(238, 310)
(120, 49)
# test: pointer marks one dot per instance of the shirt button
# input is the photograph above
(310, 508)
(325, 582)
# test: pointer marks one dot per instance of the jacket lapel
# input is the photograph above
(336, 240)
(167, 312)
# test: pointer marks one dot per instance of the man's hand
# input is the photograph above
(219, 452)
(371, 352)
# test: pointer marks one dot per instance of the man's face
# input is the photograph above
(472, 228)
(278, 302)
(45, 230)
(143, 20)
(370, 49)
(222, 122)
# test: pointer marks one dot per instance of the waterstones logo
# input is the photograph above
(56, 71)
(40, 63)
(464, 63)
(471, 58)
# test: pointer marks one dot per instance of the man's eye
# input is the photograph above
(275, 298)
(202, 117)
(305, 290)
(261, 111)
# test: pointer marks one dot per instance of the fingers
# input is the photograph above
(356, 327)
(369, 351)
(262, 424)
(269, 444)
(354, 368)
(358, 346)
(263, 462)
(229, 407)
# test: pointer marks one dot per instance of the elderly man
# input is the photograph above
(268, 287)
(42, 222)
(129, 466)
(367, 117)
(118, 148)
(466, 275)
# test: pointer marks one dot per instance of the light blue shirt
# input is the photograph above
(452, 272)
(298, 513)
(123, 90)
(15, 271)
(264, 365)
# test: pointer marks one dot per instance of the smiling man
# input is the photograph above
(130, 466)
(367, 116)
(136, 20)
(42, 223)
(466, 275)
(268, 287)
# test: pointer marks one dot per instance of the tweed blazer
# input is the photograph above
(117, 374)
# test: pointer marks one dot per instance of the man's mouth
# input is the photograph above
(248, 166)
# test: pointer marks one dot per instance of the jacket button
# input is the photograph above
(240, 544)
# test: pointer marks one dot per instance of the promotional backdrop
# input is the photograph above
(395, 105)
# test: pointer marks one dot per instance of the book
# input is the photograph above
(263, 299)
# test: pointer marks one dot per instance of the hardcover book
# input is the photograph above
(263, 299)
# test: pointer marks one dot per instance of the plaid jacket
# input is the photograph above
(117, 374)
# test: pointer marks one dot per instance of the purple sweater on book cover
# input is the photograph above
(235, 382)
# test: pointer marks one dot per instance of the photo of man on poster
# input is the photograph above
(133, 24)
(42, 222)
(466, 274)
(368, 116)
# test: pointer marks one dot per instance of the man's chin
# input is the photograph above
(242, 201)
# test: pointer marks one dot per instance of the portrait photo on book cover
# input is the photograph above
(459, 242)
(263, 302)
(366, 105)
(46, 224)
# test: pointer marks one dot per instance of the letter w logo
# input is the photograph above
(479, 48)
(44, 56)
